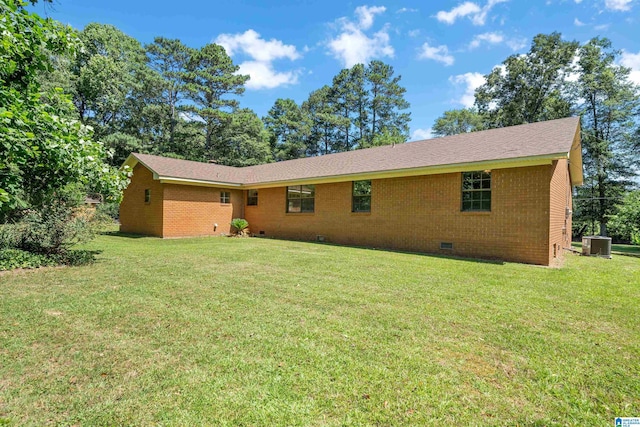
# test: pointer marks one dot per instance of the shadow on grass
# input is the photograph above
(121, 234)
(422, 254)
(79, 257)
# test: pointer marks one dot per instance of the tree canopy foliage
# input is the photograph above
(454, 122)
(363, 107)
(44, 147)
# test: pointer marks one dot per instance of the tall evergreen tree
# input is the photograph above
(245, 141)
(324, 121)
(386, 102)
(210, 78)
(344, 95)
(169, 58)
(288, 130)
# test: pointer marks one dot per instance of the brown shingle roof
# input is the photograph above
(187, 169)
(550, 138)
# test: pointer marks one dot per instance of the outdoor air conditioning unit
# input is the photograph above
(596, 246)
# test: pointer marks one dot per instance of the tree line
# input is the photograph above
(170, 99)
(556, 79)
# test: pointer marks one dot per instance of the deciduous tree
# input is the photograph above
(42, 149)
(529, 88)
(454, 122)
(608, 102)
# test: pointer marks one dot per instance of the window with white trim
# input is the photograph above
(225, 197)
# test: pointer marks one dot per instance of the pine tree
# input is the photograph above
(210, 78)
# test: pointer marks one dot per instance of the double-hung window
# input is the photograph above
(476, 191)
(225, 197)
(252, 198)
(301, 198)
(361, 198)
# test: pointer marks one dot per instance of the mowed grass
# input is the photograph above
(220, 331)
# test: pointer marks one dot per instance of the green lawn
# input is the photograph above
(219, 331)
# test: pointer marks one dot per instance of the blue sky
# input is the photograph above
(441, 49)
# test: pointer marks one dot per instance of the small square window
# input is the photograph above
(147, 195)
(225, 197)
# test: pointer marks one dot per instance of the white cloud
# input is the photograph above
(578, 1)
(419, 134)
(414, 33)
(495, 38)
(263, 76)
(517, 44)
(578, 23)
(263, 53)
(481, 18)
(473, 11)
(366, 14)
(469, 82)
(437, 53)
(632, 60)
(602, 27)
(573, 75)
(619, 5)
(490, 38)
(406, 9)
(460, 11)
(259, 49)
(353, 46)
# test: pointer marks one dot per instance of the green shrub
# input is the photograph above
(9, 236)
(11, 259)
(108, 210)
(52, 230)
(240, 225)
(15, 258)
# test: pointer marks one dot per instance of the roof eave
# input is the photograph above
(132, 161)
(196, 182)
(575, 159)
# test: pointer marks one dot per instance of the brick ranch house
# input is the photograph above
(501, 194)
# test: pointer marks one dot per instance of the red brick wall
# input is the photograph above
(193, 211)
(136, 216)
(412, 213)
(418, 213)
(176, 210)
(561, 199)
